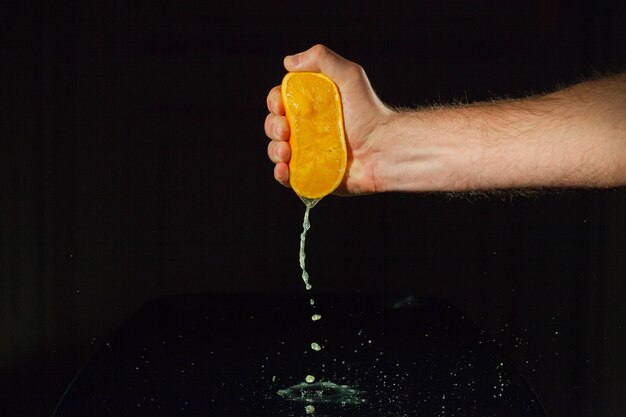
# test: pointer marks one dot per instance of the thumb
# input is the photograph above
(321, 59)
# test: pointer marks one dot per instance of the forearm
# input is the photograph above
(575, 137)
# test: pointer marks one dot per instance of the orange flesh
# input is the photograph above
(317, 141)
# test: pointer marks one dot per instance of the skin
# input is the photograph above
(575, 137)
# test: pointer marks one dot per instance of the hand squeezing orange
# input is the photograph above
(318, 145)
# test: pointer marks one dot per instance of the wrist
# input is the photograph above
(423, 151)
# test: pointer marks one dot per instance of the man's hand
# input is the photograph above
(363, 113)
(575, 137)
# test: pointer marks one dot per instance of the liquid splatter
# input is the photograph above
(324, 392)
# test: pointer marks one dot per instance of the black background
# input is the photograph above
(135, 167)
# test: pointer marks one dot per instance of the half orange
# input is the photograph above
(318, 146)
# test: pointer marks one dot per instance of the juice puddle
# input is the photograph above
(324, 392)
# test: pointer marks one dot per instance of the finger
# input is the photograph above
(277, 127)
(275, 101)
(321, 59)
(281, 173)
(278, 151)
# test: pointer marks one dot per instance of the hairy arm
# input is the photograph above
(575, 137)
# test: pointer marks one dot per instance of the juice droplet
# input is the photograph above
(316, 347)
(312, 301)
(316, 317)
(309, 409)
(310, 379)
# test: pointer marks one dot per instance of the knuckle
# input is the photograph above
(357, 70)
(273, 100)
(268, 101)
(268, 125)
(270, 150)
(320, 51)
(281, 130)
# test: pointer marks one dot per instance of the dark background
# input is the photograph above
(135, 168)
